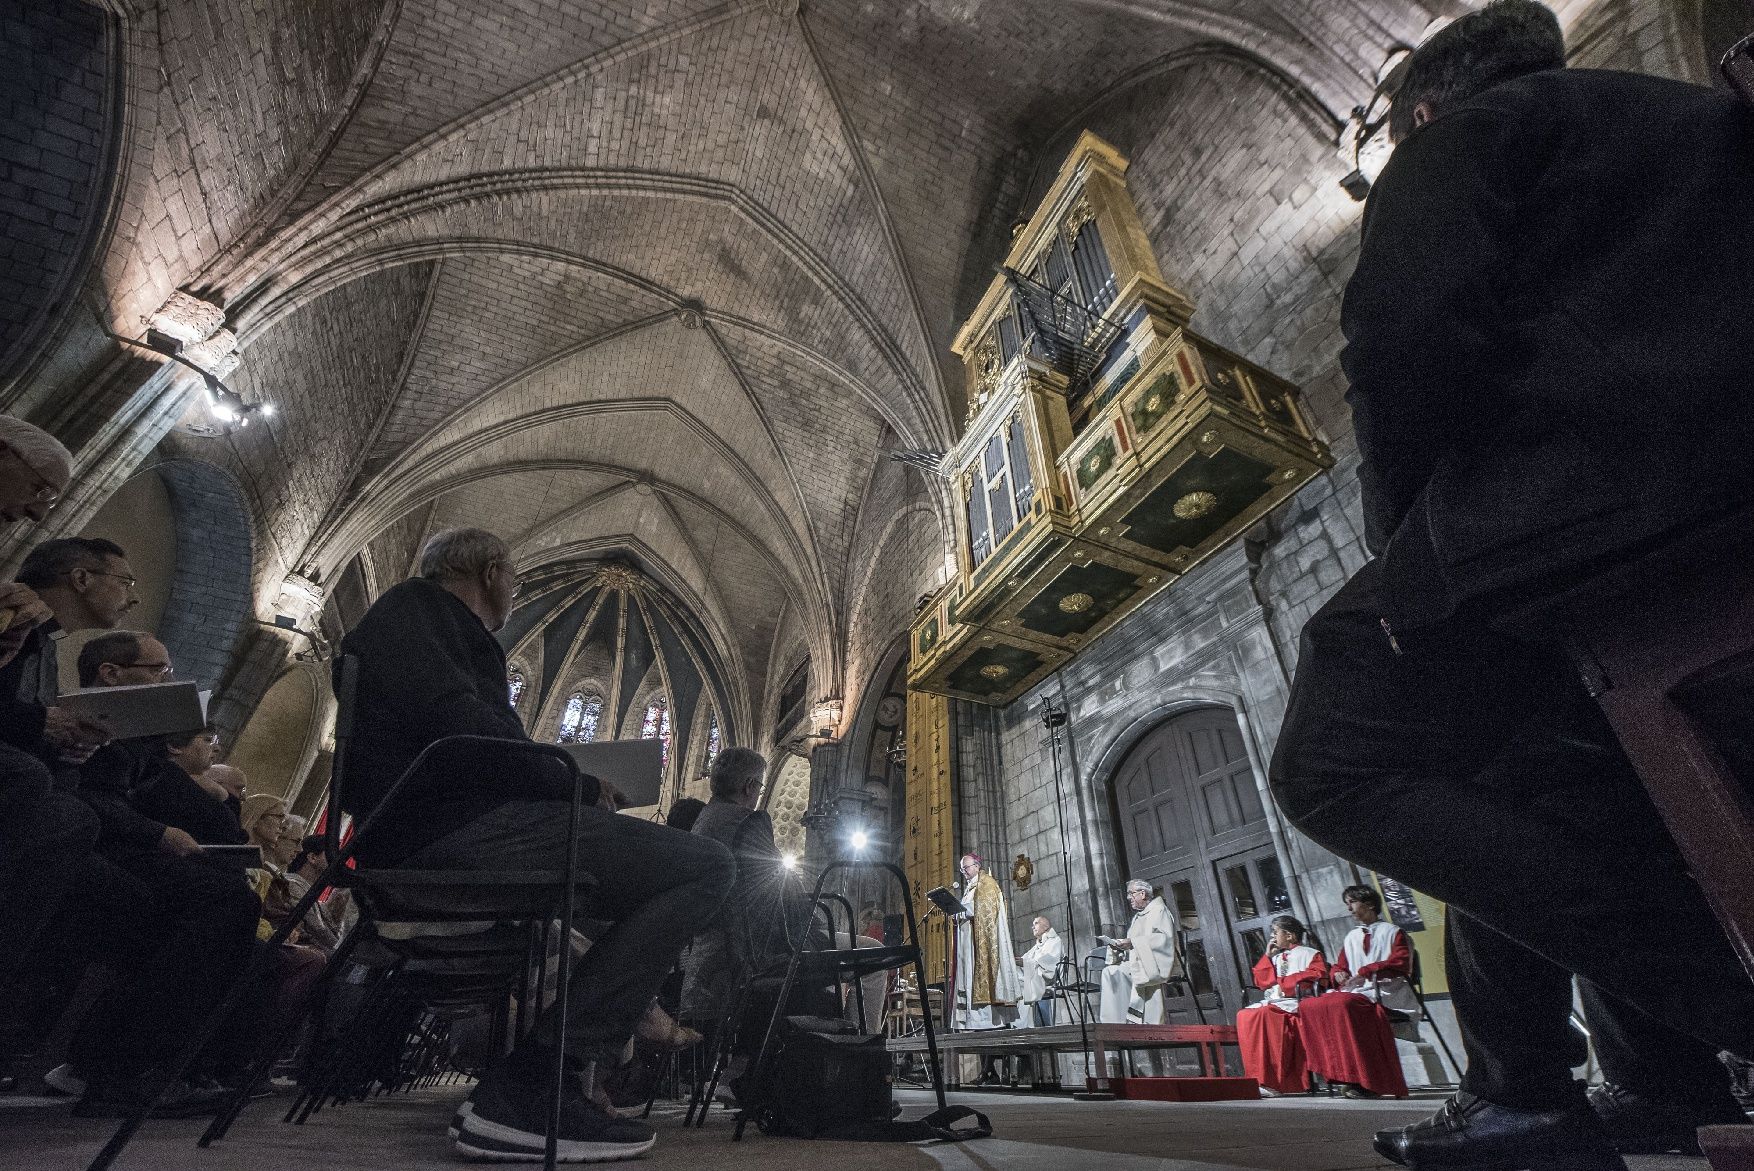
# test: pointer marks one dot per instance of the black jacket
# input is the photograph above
(428, 668)
(106, 782)
(29, 683)
(1549, 333)
(161, 790)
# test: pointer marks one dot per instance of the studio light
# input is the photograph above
(860, 839)
(789, 861)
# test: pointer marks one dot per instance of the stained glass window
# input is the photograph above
(657, 724)
(578, 723)
(514, 685)
(712, 738)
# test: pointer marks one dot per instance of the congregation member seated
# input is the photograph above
(39, 829)
(227, 783)
(1267, 1033)
(1346, 1034)
(199, 913)
(430, 667)
(328, 920)
(1546, 351)
(766, 911)
(1140, 963)
(1038, 964)
(750, 934)
(161, 773)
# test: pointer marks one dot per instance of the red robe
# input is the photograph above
(1346, 1035)
(1267, 1032)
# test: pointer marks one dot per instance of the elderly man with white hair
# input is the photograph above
(1132, 984)
(430, 667)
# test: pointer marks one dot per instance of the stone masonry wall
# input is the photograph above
(53, 131)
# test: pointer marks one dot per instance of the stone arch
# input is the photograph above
(140, 517)
(283, 736)
(786, 800)
(210, 601)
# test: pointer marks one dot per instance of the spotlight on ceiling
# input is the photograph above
(789, 861)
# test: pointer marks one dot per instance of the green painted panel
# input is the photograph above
(1232, 480)
(1098, 460)
(993, 670)
(1078, 599)
(1151, 407)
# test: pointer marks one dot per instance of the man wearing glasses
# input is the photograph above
(36, 826)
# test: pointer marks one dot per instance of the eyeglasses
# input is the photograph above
(127, 578)
(159, 670)
(42, 491)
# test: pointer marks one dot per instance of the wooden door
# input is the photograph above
(1191, 815)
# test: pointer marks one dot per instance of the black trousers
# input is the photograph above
(43, 835)
(178, 931)
(1475, 767)
(658, 886)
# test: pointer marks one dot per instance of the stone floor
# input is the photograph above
(1032, 1133)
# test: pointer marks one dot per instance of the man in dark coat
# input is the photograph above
(429, 667)
(1547, 348)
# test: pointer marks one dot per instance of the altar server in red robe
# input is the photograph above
(1267, 1032)
(1345, 1033)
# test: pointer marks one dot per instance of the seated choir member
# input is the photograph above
(1132, 984)
(1272, 1054)
(1345, 1034)
(1038, 964)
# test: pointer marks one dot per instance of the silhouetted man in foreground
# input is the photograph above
(1547, 343)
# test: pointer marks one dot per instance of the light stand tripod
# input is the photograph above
(1096, 1080)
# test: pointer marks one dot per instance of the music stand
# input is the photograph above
(950, 907)
(945, 901)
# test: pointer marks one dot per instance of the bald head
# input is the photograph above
(34, 470)
(228, 777)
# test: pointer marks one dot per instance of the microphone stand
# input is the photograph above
(1054, 719)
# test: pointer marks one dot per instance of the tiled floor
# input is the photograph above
(1032, 1133)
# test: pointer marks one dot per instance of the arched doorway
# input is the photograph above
(1194, 826)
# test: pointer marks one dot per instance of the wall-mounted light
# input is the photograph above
(228, 407)
(1364, 142)
(825, 716)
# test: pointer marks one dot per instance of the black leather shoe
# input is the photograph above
(1472, 1134)
(1638, 1125)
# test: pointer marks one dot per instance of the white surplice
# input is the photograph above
(1039, 963)
(1132, 987)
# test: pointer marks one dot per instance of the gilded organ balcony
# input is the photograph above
(1109, 448)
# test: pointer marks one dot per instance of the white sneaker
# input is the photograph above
(64, 1079)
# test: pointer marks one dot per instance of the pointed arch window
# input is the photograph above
(578, 722)
(514, 682)
(712, 738)
(656, 725)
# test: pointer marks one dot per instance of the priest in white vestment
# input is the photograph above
(1038, 965)
(989, 981)
(1132, 984)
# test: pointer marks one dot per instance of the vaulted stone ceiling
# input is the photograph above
(648, 278)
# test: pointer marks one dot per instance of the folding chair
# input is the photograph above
(399, 908)
(840, 965)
